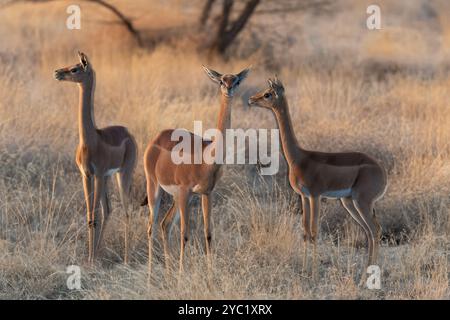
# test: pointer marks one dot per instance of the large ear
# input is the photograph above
(276, 86)
(214, 75)
(83, 60)
(243, 74)
(279, 85)
(273, 86)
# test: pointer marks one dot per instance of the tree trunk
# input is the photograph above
(206, 12)
(227, 32)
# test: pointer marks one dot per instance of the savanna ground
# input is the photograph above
(381, 92)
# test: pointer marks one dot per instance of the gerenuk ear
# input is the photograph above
(243, 74)
(279, 86)
(273, 86)
(213, 75)
(83, 60)
(276, 86)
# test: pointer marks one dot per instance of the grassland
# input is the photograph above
(382, 92)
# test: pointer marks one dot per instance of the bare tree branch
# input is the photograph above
(226, 10)
(206, 12)
(239, 24)
(226, 29)
(123, 19)
(126, 21)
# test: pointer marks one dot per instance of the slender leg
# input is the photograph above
(124, 179)
(376, 244)
(154, 199)
(306, 232)
(106, 210)
(124, 186)
(89, 196)
(370, 181)
(174, 222)
(206, 208)
(349, 206)
(365, 210)
(314, 203)
(164, 223)
(183, 199)
(306, 218)
(99, 187)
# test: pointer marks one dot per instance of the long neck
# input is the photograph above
(224, 120)
(291, 149)
(223, 123)
(86, 123)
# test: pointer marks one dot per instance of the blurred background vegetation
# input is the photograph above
(384, 92)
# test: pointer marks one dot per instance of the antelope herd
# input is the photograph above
(354, 178)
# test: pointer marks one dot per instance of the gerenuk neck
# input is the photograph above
(86, 122)
(291, 149)
(223, 123)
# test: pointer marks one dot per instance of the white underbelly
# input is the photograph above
(337, 194)
(332, 194)
(171, 189)
(110, 172)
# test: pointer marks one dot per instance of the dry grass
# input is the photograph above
(381, 92)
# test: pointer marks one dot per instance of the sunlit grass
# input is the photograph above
(336, 103)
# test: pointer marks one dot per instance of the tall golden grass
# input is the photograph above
(382, 92)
